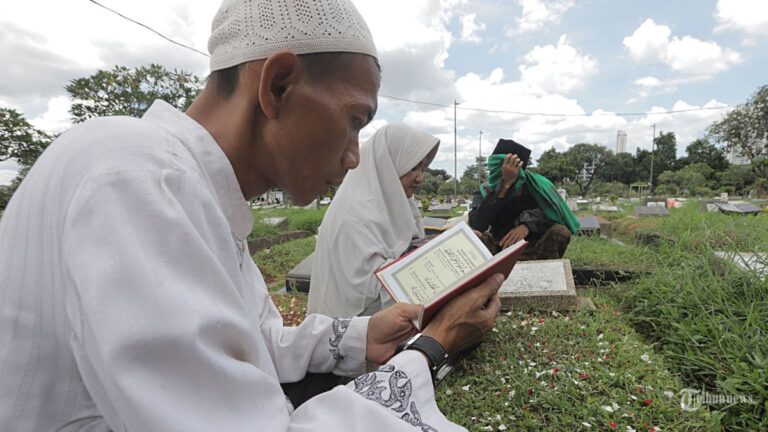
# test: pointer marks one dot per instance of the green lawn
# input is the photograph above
(681, 326)
(577, 372)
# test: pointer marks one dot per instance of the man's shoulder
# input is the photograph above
(122, 142)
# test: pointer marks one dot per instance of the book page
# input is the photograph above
(440, 267)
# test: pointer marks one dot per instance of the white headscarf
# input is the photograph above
(369, 223)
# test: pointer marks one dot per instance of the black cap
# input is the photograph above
(505, 146)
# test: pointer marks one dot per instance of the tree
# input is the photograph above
(739, 177)
(702, 151)
(693, 178)
(446, 188)
(126, 91)
(472, 177)
(430, 184)
(745, 130)
(664, 155)
(619, 168)
(590, 160)
(556, 166)
(441, 173)
(20, 140)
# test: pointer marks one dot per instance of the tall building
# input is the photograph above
(621, 142)
(735, 157)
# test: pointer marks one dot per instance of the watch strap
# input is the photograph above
(430, 348)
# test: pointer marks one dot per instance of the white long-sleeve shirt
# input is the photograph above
(129, 302)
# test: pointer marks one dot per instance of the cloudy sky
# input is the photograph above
(502, 60)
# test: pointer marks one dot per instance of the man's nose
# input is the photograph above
(351, 158)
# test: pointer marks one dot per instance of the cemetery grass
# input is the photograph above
(577, 372)
(712, 329)
(278, 260)
(595, 252)
(298, 219)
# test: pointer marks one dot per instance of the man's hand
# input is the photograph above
(387, 329)
(465, 320)
(514, 235)
(510, 170)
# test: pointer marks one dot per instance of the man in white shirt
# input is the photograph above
(128, 299)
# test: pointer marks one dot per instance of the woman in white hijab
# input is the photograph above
(372, 220)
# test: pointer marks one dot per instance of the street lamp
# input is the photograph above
(455, 155)
(653, 141)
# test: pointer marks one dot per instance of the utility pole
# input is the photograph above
(480, 147)
(653, 141)
(455, 155)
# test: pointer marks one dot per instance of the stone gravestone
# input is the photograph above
(608, 208)
(589, 225)
(297, 280)
(651, 211)
(541, 285)
(277, 222)
(441, 209)
(733, 208)
(747, 262)
(572, 206)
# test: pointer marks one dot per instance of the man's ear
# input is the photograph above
(280, 72)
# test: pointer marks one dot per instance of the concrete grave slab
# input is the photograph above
(276, 222)
(608, 208)
(297, 280)
(589, 225)
(606, 227)
(540, 285)
(739, 207)
(747, 262)
(651, 211)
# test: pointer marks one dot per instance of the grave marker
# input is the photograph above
(651, 211)
(747, 262)
(589, 225)
(540, 285)
(297, 280)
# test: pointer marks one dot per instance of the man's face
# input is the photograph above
(317, 138)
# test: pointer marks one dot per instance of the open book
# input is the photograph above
(450, 264)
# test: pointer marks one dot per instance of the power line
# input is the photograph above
(464, 108)
(555, 114)
(149, 28)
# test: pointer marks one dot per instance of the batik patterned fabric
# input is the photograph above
(391, 388)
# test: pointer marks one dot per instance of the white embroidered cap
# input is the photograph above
(246, 30)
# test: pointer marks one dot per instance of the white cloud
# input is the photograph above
(538, 13)
(748, 16)
(688, 55)
(7, 176)
(695, 57)
(57, 118)
(557, 68)
(8, 170)
(470, 28)
(649, 42)
(413, 53)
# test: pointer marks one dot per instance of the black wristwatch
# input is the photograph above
(433, 350)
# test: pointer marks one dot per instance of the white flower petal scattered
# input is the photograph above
(630, 429)
(585, 424)
(669, 394)
(600, 336)
(465, 388)
(502, 427)
(608, 408)
(645, 357)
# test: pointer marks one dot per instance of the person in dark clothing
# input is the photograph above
(505, 212)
